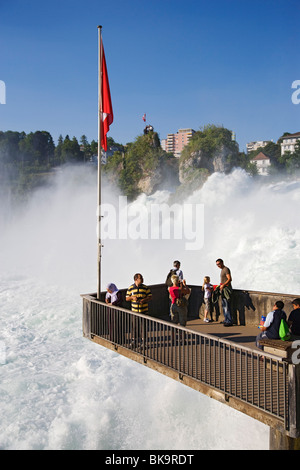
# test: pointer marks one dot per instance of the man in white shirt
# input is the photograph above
(271, 326)
(177, 270)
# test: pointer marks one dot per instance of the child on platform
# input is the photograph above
(207, 288)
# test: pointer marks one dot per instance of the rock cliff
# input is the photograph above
(145, 167)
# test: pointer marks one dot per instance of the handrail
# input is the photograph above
(184, 328)
(254, 377)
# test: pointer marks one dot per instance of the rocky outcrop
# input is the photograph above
(165, 176)
(150, 182)
(146, 168)
(199, 165)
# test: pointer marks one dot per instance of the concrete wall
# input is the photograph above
(247, 306)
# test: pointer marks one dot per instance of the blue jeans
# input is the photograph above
(259, 337)
(226, 310)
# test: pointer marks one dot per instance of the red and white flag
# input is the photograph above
(107, 110)
(144, 117)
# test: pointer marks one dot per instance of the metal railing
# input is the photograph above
(255, 378)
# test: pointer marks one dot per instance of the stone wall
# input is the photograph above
(247, 306)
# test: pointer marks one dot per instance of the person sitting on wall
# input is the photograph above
(270, 329)
(294, 318)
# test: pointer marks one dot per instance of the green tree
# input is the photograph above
(291, 160)
(94, 147)
(38, 148)
(70, 150)
(58, 150)
(85, 148)
(10, 152)
(243, 161)
(209, 139)
(139, 159)
(204, 148)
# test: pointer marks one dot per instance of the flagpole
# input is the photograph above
(99, 156)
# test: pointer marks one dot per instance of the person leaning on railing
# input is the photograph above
(113, 295)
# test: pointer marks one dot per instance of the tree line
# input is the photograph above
(38, 149)
(24, 158)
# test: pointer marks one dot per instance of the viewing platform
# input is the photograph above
(221, 362)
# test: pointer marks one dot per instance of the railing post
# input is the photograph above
(289, 439)
(86, 318)
(281, 441)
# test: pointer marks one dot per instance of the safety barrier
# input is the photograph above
(252, 377)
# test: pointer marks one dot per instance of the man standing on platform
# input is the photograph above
(225, 289)
(139, 295)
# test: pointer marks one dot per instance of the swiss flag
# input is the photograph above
(107, 111)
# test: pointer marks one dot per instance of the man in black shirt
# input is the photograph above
(294, 318)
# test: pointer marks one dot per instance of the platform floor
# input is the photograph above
(243, 335)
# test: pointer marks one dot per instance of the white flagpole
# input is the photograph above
(99, 156)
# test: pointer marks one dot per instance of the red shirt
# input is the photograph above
(174, 293)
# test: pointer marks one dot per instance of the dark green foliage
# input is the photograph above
(209, 139)
(291, 161)
(25, 159)
(138, 160)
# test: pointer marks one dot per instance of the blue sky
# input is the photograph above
(183, 63)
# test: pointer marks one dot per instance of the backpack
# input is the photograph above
(168, 280)
(284, 331)
(181, 301)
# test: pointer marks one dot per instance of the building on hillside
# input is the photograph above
(175, 143)
(251, 146)
(289, 142)
(171, 143)
(163, 144)
(105, 155)
(262, 162)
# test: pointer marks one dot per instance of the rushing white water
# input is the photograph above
(58, 390)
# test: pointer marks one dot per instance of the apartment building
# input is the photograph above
(251, 146)
(175, 143)
(289, 142)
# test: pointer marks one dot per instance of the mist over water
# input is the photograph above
(58, 390)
